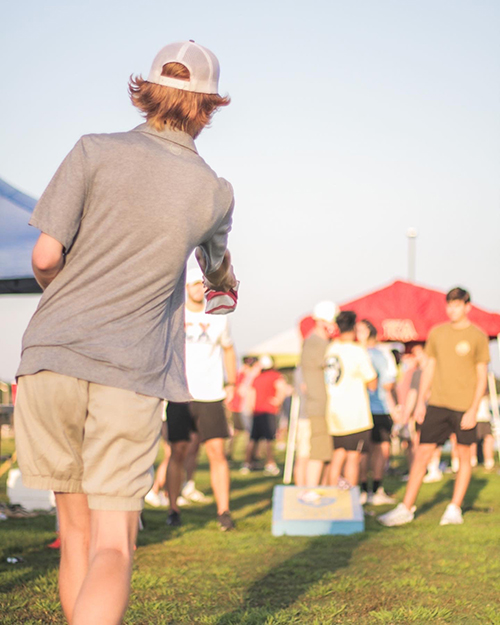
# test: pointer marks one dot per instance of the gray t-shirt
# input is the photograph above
(129, 208)
(312, 362)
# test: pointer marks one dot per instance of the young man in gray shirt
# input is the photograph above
(118, 220)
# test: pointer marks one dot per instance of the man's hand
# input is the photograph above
(468, 420)
(419, 414)
(223, 278)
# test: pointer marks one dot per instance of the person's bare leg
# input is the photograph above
(351, 469)
(219, 472)
(380, 455)
(314, 470)
(423, 454)
(270, 452)
(161, 471)
(250, 451)
(191, 461)
(104, 594)
(299, 471)
(464, 472)
(325, 474)
(489, 450)
(74, 530)
(364, 462)
(336, 465)
(175, 472)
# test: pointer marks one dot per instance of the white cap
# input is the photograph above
(194, 275)
(325, 311)
(202, 64)
(266, 362)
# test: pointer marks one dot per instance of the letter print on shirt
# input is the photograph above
(333, 370)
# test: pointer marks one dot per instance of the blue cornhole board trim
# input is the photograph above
(281, 526)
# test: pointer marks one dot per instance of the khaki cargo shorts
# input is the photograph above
(74, 436)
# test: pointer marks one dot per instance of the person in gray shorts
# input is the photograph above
(312, 362)
(118, 222)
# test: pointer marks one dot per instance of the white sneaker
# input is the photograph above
(191, 493)
(164, 501)
(435, 475)
(489, 464)
(400, 515)
(452, 515)
(153, 499)
(380, 497)
(182, 501)
(272, 469)
(363, 497)
(245, 469)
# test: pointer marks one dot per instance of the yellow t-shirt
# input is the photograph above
(457, 352)
(347, 370)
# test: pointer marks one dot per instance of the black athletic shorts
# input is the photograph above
(382, 428)
(353, 442)
(208, 418)
(263, 426)
(439, 423)
(483, 430)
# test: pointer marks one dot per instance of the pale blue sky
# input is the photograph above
(350, 122)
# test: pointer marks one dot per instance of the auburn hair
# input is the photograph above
(166, 106)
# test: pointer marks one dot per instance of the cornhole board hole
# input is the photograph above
(299, 511)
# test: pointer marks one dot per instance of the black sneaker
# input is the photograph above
(225, 521)
(174, 519)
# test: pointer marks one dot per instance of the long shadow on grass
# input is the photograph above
(287, 582)
(446, 491)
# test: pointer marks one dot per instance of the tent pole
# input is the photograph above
(494, 407)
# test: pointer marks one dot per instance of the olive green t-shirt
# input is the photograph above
(457, 352)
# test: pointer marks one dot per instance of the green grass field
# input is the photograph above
(420, 573)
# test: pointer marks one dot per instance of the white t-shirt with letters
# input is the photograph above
(206, 336)
(347, 370)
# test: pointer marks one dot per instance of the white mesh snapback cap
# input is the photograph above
(202, 64)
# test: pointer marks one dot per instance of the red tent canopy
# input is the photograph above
(405, 312)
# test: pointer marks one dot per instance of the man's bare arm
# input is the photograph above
(469, 417)
(230, 366)
(47, 259)
(423, 392)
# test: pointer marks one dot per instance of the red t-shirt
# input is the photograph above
(265, 390)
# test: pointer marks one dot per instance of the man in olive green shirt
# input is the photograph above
(455, 376)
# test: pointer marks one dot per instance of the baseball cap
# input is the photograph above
(266, 362)
(325, 311)
(202, 64)
(194, 275)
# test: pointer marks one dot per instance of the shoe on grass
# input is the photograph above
(225, 521)
(245, 469)
(363, 497)
(380, 497)
(157, 500)
(192, 494)
(434, 475)
(452, 515)
(271, 468)
(174, 519)
(400, 515)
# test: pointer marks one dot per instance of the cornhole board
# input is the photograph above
(299, 511)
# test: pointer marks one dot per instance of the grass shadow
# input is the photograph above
(285, 583)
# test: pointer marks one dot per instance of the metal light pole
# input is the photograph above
(411, 233)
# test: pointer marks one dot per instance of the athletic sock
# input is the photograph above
(364, 486)
(376, 484)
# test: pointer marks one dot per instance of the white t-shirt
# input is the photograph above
(206, 336)
(347, 370)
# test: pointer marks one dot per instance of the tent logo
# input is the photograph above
(399, 330)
